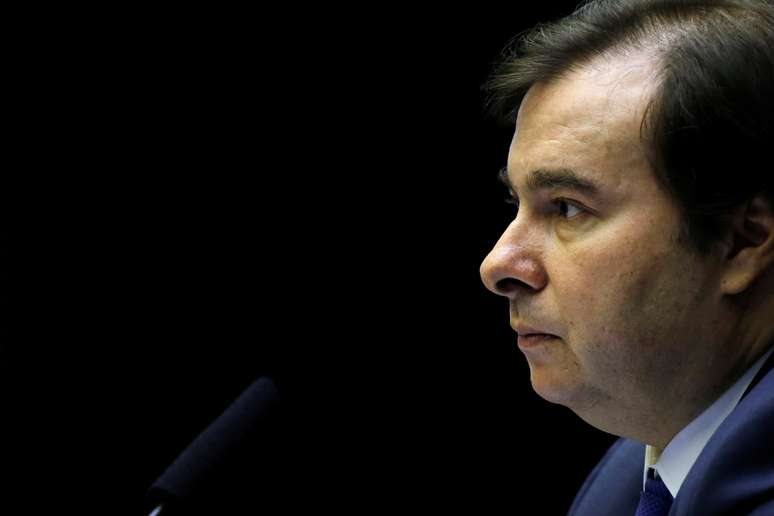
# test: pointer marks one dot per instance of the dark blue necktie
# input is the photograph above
(655, 499)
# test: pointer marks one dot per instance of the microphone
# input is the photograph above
(246, 428)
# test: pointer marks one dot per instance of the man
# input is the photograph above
(639, 266)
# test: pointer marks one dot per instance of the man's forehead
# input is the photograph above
(592, 94)
(589, 116)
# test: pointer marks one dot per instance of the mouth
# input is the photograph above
(531, 336)
(529, 340)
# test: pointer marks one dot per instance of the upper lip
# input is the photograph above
(523, 329)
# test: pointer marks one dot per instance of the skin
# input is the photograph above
(650, 332)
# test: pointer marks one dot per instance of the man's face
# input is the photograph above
(593, 256)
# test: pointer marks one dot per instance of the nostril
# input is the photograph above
(508, 285)
(505, 285)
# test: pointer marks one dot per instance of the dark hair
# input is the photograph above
(709, 127)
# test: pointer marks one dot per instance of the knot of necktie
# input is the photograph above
(655, 499)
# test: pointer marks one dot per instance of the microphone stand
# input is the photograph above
(247, 422)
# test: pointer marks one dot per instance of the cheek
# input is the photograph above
(612, 296)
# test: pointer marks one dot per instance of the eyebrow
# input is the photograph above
(551, 179)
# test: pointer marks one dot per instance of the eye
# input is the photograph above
(567, 209)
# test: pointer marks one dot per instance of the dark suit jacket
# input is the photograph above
(733, 475)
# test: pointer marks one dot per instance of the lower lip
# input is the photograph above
(535, 339)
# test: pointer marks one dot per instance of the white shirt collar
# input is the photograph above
(675, 461)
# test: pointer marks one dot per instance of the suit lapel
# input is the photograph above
(767, 366)
(735, 470)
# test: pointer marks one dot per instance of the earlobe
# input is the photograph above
(752, 250)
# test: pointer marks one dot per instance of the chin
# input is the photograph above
(554, 389)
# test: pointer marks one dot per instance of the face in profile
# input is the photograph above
(609, 303)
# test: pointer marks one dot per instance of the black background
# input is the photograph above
(306, 195)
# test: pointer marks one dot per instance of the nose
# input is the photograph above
(514, 264)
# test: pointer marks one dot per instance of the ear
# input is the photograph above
(751, 252)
